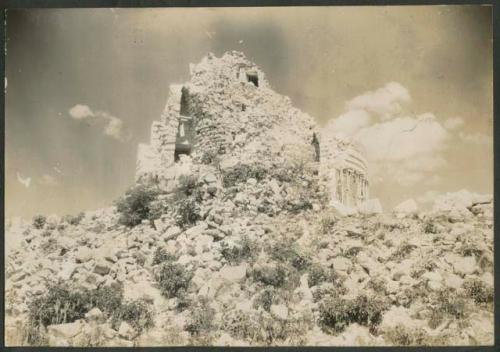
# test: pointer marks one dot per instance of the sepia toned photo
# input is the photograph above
(249, 176)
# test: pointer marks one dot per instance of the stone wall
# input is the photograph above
(228, 111)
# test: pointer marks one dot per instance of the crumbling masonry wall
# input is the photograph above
(228, 111)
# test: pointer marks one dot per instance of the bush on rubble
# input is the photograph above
(137, 205)
(39, 221)
(187, 213)
(478, 291)
(173, 279)
(337, 313)
(240, 173)
(161, 255)
(246, 249)
(137, 313)
(64, 304)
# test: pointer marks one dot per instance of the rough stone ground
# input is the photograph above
(266, 258)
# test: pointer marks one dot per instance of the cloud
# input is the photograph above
(402, 138)
(399, 147)
(476, 138)
(453, 122)
(48, 180)
(386, 101)
(80, 112)
(25, 181)
(115, 128)
(112, 125)
(350, 122)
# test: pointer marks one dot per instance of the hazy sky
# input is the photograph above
(84, 85)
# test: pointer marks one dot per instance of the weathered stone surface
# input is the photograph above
(234, 273)
(65, 331)
(279, 311)
(95, 314)
(370, 207)
(83, 254)
(126, 331)
(102, 268)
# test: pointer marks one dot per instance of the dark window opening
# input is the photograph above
(315, 143)
(184, 102)
(243, 107)
(181, 149)
(253, 77)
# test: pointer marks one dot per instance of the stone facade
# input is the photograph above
(346, 171)
(228, 111)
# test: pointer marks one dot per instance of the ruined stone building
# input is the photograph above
(228, 110)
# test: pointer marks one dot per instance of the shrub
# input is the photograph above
(39, 221)
(107, 298)
(450, 303)
(162, 255)
(403, 336)
(378, 285)
(337, 313)
(239, 324)
(73, 219)
(265, 298)
(64, 305)
(201, 318)
(246, 250)
(140, 258)
(59, 305)
(187, 187)
(478, 291)
(430, 227)
(298, 206)
(279, 275)
(286, 251)
(318, 274)
(187, 213)
(402, 251)
(241, 173)
(173, 278)
(288, 173)
(137, 313)
(136, 205)
(327, 223)
(33, 335)
(271, 331)
(49, 246)
(209, 157)
(328, 291)
(469, 249)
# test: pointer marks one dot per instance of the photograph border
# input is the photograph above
(5, 5)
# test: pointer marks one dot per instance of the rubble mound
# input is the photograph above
(243, 248)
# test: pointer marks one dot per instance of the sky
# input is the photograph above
(412, 85)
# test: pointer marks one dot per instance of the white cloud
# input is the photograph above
(115, 128)
(453, 122)
(48, 180)
(476, 138)
(80, 112)
(350, 122)
(402, 138)
(400, 148)
(112, 125)
(25, 181)
(385, 102)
